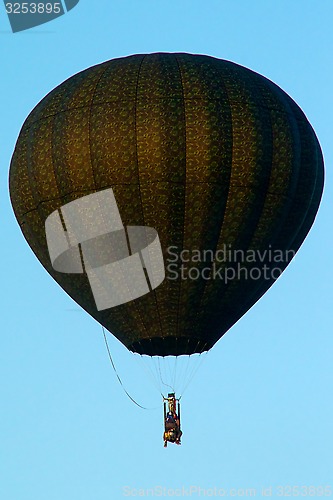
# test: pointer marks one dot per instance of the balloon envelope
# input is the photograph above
(217, 159)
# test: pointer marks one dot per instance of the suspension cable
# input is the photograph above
(119, 379)
(201, 359)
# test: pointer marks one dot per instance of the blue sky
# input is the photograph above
(259, 411)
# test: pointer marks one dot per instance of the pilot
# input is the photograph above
(172, 432)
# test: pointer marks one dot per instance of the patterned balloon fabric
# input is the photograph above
(217, 159)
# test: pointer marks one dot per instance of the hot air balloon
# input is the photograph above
(214, 157)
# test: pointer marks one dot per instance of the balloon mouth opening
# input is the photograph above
(170, 346)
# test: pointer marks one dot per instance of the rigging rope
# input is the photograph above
(119, 379)
(166, 385)
(201, 358)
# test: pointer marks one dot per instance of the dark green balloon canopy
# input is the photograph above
(210, 154)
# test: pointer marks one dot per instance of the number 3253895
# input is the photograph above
(33, 8)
